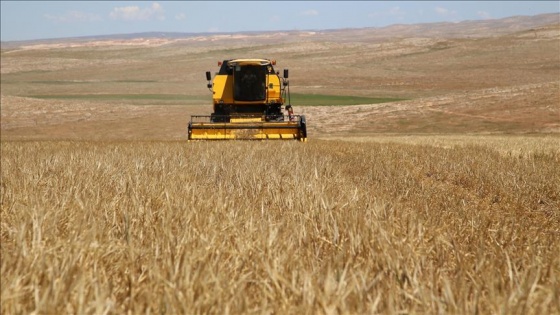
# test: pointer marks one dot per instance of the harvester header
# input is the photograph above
(248, 101)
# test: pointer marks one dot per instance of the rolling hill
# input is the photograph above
(492, 76)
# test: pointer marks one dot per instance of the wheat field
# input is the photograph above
(324, 227)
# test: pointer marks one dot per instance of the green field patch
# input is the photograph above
(296, 99)
(331, 100)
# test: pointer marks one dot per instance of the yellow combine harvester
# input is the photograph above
(248, 100)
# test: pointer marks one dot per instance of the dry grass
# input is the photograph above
(507, 145)
(389, 222)
(278, 227)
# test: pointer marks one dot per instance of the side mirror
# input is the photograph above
(208, 76)
(285, 73)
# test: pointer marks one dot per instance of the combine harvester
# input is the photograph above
(248, 98)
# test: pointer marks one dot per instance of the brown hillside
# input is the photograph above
(498, 76)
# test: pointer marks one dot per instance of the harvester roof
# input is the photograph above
(249, 62)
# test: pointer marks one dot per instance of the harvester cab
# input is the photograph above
(248, 102)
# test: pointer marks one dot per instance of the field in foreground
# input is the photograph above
(280, 227)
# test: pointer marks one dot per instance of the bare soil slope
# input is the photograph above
(499, 76)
